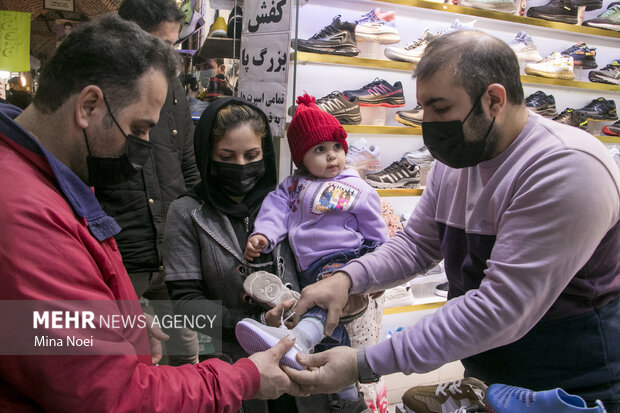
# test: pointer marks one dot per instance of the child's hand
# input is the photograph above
(255, 245)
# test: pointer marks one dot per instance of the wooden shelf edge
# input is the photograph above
(415, 307)
(400, 192)
(538, 80)
(383, 130)
(609, 139)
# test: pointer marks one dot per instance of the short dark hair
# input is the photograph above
(149, 14)
(69, 24)
(110, 53)
(479, 60)
(233, 116)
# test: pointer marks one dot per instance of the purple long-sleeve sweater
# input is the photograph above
(529, 235)
(321, 216)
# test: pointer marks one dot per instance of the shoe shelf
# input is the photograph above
(400, 192)
(383, 130)
(224, 48)
(431, 5)
(609, 139)
(303, 57)
(434, 303)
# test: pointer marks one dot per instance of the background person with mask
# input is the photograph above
(57, 244)
(525, 213)
(212, 77)
(208, 228)
(140, 204)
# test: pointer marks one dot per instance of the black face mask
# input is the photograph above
(112, 171)
(235, 179)
(446, 142)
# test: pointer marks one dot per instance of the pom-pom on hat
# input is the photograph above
(311, 126)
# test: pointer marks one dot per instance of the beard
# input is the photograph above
(476, 130)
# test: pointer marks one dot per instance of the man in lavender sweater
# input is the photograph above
(525, 212)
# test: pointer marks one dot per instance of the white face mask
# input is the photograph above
(204, 76)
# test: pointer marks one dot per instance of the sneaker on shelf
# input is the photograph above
(609, 19)
(336, 404)
(554, 66)
(398, 296)
(235, 23)
(505, 6)
(346, 111)
(218, 28)
(502, 398)
(337, 38)
(364, 156)
(217, 88)
(609, 74)
(573, 117)
(541, 103)
(524, 48)
(377, 26)
(267, 288)
(445, 397)
(412, 52)
(442, 289)
(590, 4)
(612, 130)
(192, 21)
(457, 25)
(378, 93)
(254, 337)
(411, 117)
(563, 11)
(582, 55)
(419, 157)
(399, 174)
(600, 109)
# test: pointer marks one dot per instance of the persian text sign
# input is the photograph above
(14, 41)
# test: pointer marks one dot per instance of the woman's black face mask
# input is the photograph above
(235, 179)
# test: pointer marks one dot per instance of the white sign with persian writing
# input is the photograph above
(267, 16)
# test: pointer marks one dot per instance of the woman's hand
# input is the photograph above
(256, 244)
(274, 316)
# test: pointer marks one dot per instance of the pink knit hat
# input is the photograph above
(311, 126)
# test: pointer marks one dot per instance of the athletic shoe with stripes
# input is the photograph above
(398, 175)
(541, 103)
(377, 26)
(445, 397)
(612, 130)
(346, 111)
(411, 117)
(378, 93)
(364, 156)
(609, 74)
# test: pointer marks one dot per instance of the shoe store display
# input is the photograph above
(218, 28)
(524, 48)
(218, 87)
(612, 130)
(235, 23)
(347, 111)
(442, 290)
(573, 117)
(363, 156)
(582, 55)
(191, 22)
(563, 11)
(411, 117)
(445, 397)
(609, 74)
(378, 93)
(399, 296)
(419, 157)
(337, 38)
(555, 66)
(609, 19)
(504, 6)
(600, 109)
(502, 398)
(541, 103)
(267, 288)
(399, 174)
(377, 26)
(412, 52)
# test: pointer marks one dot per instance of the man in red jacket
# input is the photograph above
(88, 125)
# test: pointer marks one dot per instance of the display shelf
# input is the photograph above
(609, 139)
(433, 303)
(215, 47)
(400, 192)
(424, 4)
(383, 130)
(388, 64)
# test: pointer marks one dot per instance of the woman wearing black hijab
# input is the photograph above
(207, 230)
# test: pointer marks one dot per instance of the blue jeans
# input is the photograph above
(322, 268)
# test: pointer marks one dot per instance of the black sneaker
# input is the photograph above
(399, 174)
(573, 117)
(600, 109)
(590, 4)
(235, 20)
(337, 38)
(583, 55)
(441, 289)
(337, 405)
(411, 117)
(541, 103)
(346, 111)
(564, 11)
(378, 93)
(609, 19)
(609, 74)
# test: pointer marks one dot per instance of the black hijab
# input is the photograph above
(207, 189)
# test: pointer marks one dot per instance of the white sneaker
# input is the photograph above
(505, 6)
(377, 26)
(555, 66)
(364, 156)
(412, 52)
(398, 296)
(524, 48)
